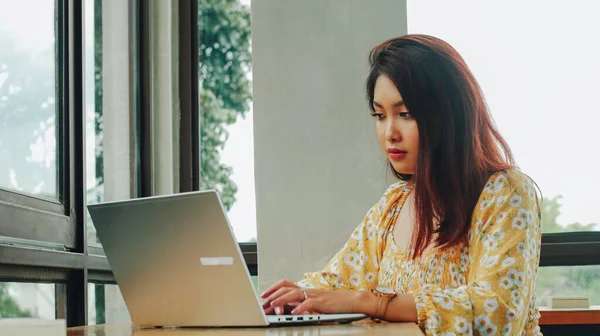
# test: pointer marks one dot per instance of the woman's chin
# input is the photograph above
(404, 171)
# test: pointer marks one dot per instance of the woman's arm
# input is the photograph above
(504, 247)
(354, 267)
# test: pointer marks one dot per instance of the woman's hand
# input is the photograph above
(324, 301)
(284, 295)
(280, 288)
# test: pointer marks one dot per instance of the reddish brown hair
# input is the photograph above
(459, 145)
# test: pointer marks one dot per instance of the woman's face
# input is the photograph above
(396, 128)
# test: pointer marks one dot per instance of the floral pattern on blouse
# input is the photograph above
(483, 286)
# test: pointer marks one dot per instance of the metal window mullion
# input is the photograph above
(570, 254)
(143, 115)
(31, 201)
(189, 149)
(22, 273)
(74, 114)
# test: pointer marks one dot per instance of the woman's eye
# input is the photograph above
(378, 116)
(405, 115)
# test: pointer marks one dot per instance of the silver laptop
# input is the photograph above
(177, 263)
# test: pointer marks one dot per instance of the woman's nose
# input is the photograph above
(392, 133)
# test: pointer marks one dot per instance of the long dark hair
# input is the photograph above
(459, 145)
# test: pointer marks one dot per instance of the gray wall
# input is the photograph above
(317, 163)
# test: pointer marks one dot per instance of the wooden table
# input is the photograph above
(357, 328)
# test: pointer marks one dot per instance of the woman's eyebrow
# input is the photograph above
(397, 104)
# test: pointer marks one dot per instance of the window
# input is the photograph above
(226, 131)
(21, 299)
(106, 305)
(539, 87)
(569, 281)
(42, 228)
(112, 155)
(34, 134)
(84, 128)
(27, 98)
(540, 79)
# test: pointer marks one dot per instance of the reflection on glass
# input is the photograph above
(569, 281)
(19, 299)
(106, 305)
(93, 121)
(27, 97)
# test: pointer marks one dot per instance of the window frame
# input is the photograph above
(49, 220)
(570, 249)
(61, 223)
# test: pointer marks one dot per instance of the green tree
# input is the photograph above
(8, 306)
(225, 90)
(550, 214)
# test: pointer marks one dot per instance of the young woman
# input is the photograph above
(455, 244)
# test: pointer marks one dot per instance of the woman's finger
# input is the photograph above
(287, 309)
(266, 302)
(281, 291)
(293, 298)
(305, 307)
(279, 284)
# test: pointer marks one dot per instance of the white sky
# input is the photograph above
(31, 21)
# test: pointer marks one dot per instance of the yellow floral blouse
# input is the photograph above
(483, 286)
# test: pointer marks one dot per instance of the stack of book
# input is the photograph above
(568, 302)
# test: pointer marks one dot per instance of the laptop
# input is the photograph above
(177, 264)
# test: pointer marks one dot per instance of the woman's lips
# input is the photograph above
(396, 154)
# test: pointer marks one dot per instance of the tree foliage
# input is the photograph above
(550, 214)
(225, 90)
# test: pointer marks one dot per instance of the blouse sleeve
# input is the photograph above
(356, 265)
(504, 247)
